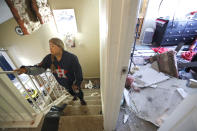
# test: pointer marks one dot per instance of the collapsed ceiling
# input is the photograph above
(30, 14)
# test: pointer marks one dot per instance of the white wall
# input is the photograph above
(117, 26)
(169, 8)
(30, 49)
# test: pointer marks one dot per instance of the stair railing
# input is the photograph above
(22, 99)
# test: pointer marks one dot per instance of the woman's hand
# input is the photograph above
(20, 70)
(75, 88)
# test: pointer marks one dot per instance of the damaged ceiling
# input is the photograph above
(30, 14)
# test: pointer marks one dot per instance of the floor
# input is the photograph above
(151, 106)
(133, 123)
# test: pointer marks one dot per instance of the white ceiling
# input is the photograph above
(5, 13)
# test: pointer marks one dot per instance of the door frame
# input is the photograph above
(117, 30)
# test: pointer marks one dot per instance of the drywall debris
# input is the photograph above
(126, 116)
(182, 92)
(95, 94)
(147, 76)
(134, 69)
(153, 86)
(192, 83)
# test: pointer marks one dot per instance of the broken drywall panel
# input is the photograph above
(167, 63)
(126, 96)
(153, 104)
(182, 92)
(144, 53)
(192, 83)
(155, 66)
(147, 76)
(126, 116)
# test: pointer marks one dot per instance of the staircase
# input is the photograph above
(77, 117)
(83, 118)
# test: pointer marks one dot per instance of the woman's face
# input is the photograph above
(54, 49)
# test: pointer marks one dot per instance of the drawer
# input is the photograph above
(190, 31)
(191, 24)
(172, 39)
(181, 24)
(172, 25)
(174, 32)
(178, 25)
(189, 39)
(194, 31)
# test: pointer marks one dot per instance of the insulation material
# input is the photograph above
(30, 14)
(42, 10)
(24, 15)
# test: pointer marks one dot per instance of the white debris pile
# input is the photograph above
(148, 77)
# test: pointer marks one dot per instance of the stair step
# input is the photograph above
(82, 110)
(91, 90)
(94, 93)
(92, 97)
(81, 123)
(88, 98)
(89, 102)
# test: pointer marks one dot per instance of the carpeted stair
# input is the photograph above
(83, 118)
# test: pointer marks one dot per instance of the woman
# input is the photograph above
(64, 66)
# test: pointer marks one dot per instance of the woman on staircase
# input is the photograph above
(64, 66)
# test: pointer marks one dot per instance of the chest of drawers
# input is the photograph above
(173, 32)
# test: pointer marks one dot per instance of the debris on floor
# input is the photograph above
(155, 104)
(95, 94)
(143, 79)
(162, 88)
(131, 84)
(152, 103)
(133, 122)
(89, 85)
(126, 116)
(182, 92)
(167, 63)
(192, 83)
